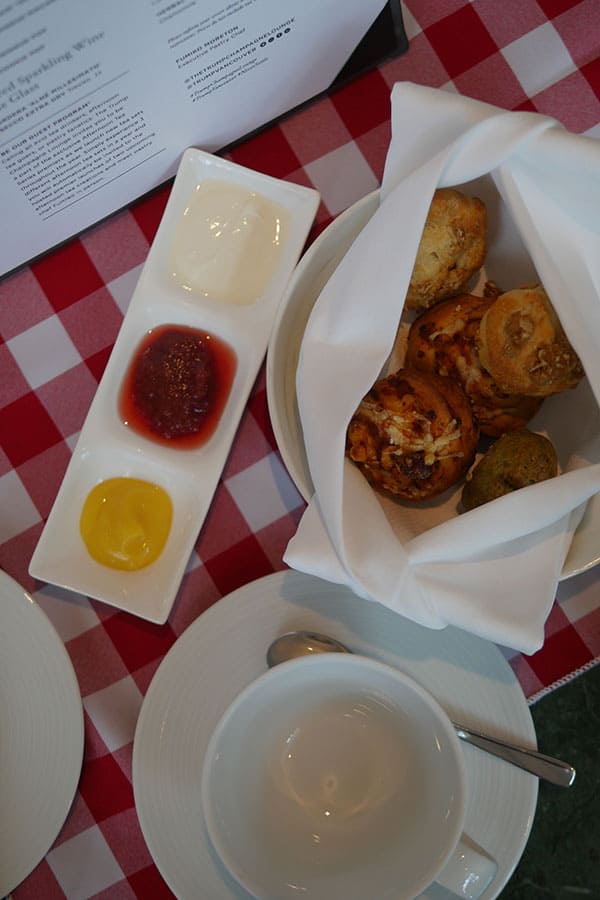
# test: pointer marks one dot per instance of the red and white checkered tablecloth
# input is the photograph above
(58, 321)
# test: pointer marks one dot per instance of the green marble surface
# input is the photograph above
(562, 857)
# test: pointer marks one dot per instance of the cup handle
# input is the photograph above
(469, 871)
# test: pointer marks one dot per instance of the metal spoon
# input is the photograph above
(305, 643)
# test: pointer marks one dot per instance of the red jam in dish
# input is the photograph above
(177, 385)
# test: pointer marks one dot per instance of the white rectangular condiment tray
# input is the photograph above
(228, 286)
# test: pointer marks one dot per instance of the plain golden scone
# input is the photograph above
(413, 435)
(445, 340)
(514, 461)
(523, 345)
(452, 248)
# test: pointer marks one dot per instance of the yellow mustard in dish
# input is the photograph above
(125, 522)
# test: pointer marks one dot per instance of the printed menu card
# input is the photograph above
(99, 100)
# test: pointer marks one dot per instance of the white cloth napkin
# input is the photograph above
(494, 570)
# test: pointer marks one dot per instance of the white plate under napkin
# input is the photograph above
(494, 570)
(309, 278)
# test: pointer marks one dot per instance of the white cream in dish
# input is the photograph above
(228, 242)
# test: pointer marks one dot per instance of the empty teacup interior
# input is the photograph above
(334, 776)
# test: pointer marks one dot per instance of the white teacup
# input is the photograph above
(339, 776)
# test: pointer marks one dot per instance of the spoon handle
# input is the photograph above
(546, 767)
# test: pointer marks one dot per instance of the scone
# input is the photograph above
(413, 435)
(512, 462)
(445, 340)
(523, 345)
(452, 248)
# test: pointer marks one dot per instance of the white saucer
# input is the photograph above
(41, 747)
(309, 278)
(224, 650)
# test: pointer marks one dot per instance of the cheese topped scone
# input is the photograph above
(413, 435)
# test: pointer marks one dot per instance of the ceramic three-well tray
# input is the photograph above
(108, 448)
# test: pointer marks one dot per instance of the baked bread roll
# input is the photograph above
(445, 340)
(523, 345)
(413, 435)
(514, 461)
(451, 250)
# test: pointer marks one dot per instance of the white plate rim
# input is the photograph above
(282, 355)
(46, 740)
(223, 650)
